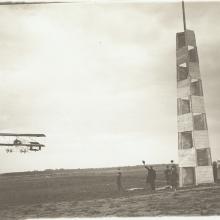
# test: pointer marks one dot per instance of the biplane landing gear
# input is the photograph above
(9, 150)
(23, 151)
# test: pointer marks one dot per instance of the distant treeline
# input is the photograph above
(66, 171)
(37, 172)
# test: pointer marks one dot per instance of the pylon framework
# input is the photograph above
(193, 141)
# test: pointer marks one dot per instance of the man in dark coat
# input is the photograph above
(118, 181)
(215, 171)
(167, 175)
(151, 176)
(173, 177)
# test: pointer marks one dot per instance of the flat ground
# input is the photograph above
(93, 193)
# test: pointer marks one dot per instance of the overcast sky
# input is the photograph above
(100, 81)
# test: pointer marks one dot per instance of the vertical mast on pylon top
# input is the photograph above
(184, 18)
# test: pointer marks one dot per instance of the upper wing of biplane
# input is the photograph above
(21, 135)
(22, 145)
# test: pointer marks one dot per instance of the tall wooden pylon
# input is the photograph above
(193, 141)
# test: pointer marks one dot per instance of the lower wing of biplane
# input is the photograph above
(21, 142)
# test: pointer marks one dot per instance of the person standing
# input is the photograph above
(173, 177)
(118, 180)
(172, 164)
(215, 171)
(151, 176)
(167, 175)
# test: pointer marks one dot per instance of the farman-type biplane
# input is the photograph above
(21, 142)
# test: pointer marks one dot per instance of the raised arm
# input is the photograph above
(146, 167)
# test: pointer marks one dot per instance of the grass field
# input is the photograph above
(93, 192)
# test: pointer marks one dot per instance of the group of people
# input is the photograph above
(171, 176)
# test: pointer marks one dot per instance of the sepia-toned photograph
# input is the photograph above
(109, 108)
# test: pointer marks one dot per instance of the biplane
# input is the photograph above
(23, 142)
